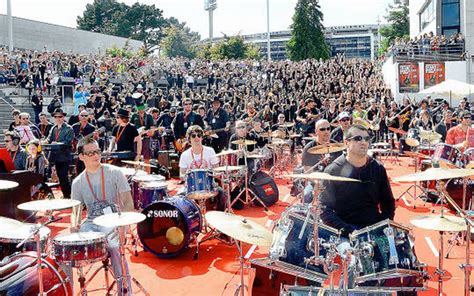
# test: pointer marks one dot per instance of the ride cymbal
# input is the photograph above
(244, 142)
(48, 205)
(7, 185)
(119, 219)
(240, 228)
(438, 223)
(227, 152)
(435, 174)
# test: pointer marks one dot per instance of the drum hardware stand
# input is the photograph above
(414, 196)
(393, 156)
(82, 280)
(247, 190)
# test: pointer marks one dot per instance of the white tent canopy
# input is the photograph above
(453, 89)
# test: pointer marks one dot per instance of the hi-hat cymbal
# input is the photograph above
(7, 185)
(240, 228)
(119, 219)
(228, 168)
(227, 152)
(48, 205)
(429, 136)
(435, 174)
(438, 223)
(327, 148)
(139, 163)
(9, 224)
(244, 142)
(319, 176)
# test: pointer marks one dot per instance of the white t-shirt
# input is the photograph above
(189, 160)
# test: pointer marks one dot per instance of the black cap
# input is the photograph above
(60, 111)
(123, 113)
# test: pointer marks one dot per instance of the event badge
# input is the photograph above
(213, 120)
(107, 210)
(185, 124)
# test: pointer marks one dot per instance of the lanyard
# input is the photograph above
(14, 155)
(43, 129)
(58, 132)
(119, 133)
(142, 120)
(81, 129)
(200, 161)
(103, 186)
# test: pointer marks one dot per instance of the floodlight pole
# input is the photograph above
(10, 25)
(211, 25)
(269, 57)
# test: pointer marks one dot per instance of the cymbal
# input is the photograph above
(148, 178)
(7, 185)
(48, 205)
(119, 219)
(140, 163)
(287, 124)
(227, 152)
(9, 224)
(228, 168)
(278, 141)
(412, 142)
(240, 228)
(244, 142)
(256, 156)
(435, 174)
(327, 148)
(438, 223)
(470, 165)
(132, 172)
(397, 130)
(319, 176)
(429, 136)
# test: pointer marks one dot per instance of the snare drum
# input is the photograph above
(200, 184)
(9, 239)
(413, 137)
(387, 251)
(150, 192)
(170, 226)
(19, 275)
(80, 249)
(448, 156)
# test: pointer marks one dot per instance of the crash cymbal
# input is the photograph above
(9, 224)
(438, 223)
(435, 174)
(48, 205)
(119, 219)
(319, 176)
(228, 168)
(256, 156)
(139, 163)
(7, 185)
(132, 172)
(327, 148)
(227, 152)
(397, 130)
(240, 228)
(429, 136)
(244, 142)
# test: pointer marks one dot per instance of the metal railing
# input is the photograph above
(410, 52)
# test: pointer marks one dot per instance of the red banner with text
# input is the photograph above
(408, 78)
(434, 73)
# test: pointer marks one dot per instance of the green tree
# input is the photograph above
(232, 47)
(177, 43)
(307, 33)
(139, 21)
(398, 25)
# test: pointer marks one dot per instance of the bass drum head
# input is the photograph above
(263, 185)
(169, 226)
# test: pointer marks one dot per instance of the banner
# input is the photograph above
(434, 73)
(408, 78)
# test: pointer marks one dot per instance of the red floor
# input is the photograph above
(215, 272)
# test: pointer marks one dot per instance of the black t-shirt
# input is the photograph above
(125, 140)
(337, 135)
(353, 205)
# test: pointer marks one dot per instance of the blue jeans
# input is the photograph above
(114, 252)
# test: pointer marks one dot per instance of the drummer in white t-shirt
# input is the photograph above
(199, 157)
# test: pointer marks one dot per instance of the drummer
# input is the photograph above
(103, 189)
(462, 135)
(344, 120)
(199, 156)
(241, 133)
(18, 154)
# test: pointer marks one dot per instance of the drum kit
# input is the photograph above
(32, 264)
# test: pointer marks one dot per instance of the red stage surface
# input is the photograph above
(215, 272)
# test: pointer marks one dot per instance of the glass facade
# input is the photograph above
(351, 47)
(450, 17)
(427, 14)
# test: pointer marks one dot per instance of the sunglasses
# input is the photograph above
(467, 117)
(325, 129)
(344, 119)
(92, 152)
(8, 141)
(187, 104)
(58, 116)
(240, 127)
(360, 138)
(197, 135)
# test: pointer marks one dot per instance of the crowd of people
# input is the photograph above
(428, 44)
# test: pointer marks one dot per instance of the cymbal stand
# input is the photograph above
(247, 190)
(414, 196)
(241, 287)
(458, 237)
(125, 277)
(393, 155)
(82, 280)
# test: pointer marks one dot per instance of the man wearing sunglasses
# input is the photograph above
(199, 156)
(103, 189)
(462, 135)
(18, 154)
(184, 120)
(344, 120)
(61, 157)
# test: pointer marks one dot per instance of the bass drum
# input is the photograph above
(263, 185)
(170, 226)
(454, 187)
(20, 276)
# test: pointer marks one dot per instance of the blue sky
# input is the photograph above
(231, 16)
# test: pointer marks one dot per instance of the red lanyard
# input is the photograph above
(58, 132)
(103, 186)
(43, 129)
(81, 129)
(142, 120)
(194, 161)
(14, 155)
(119, 133)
